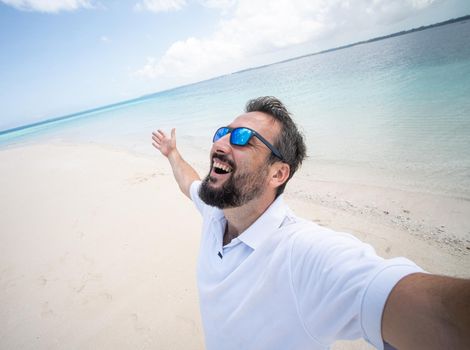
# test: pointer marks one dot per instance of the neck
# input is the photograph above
(240, 218)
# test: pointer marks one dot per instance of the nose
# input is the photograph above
(222, 145)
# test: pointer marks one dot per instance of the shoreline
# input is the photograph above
(98, 247)
(430, 217)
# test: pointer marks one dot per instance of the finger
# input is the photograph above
(173, 133)
(156, 134)
(159, 137)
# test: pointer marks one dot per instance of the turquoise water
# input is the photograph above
(393, 113)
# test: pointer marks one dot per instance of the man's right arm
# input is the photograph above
(427, 311)
(184, 173)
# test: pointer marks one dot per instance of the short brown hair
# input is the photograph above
(290, 141)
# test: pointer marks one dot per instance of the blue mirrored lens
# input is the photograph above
(240, 136)
(221, 132)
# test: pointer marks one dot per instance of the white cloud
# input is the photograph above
(257, 27)
(387, 12)
(160, 5)
(105, 39)
(219, 4)
(50, 6)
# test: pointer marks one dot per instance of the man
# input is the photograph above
(270, 280)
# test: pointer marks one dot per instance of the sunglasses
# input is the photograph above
(241, 137)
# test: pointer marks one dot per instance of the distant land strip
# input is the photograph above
(403, 32)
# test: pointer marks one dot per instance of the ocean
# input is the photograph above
(390, 113)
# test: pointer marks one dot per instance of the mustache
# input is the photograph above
(223, 158)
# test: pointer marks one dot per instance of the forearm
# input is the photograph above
(184, 173)
(455, 310)
(428, 312)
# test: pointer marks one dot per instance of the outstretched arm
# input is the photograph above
(428, 312)
(184, 173)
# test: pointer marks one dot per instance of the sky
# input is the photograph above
(63, 56)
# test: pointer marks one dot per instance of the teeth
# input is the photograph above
(222, 166)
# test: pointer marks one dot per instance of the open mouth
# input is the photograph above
(221, 169)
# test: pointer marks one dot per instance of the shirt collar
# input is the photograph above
(264, 226)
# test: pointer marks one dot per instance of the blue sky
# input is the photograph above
(63, 56)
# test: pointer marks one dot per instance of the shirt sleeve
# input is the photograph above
(341, 285)
(194, 192)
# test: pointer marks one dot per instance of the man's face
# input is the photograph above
(239, 174)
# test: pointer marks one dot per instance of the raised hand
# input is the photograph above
(163, 143)
(184, 173)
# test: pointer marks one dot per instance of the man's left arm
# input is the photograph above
(425, 311)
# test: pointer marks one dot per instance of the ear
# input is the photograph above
(279, 174)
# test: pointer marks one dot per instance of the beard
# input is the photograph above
(238, 190)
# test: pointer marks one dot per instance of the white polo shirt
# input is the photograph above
(287, 283)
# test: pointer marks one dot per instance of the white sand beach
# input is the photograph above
(98, 247)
